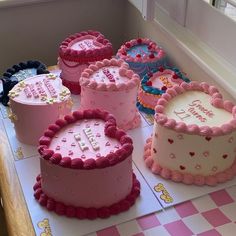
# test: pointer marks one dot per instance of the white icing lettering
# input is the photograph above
(91, 138)
(50, 88)
(27, 92)
(33, 91)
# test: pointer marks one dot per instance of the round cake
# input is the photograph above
(110, 85)
(35, 103)
(77, 52)
(154, 84)
(86, 167)
(18, 73)
(194, 136)
(143, 55)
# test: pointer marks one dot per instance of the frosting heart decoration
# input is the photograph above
(191, 154)
(107, 144)
(208, 138)
(172, 156)
(170, 140)
(182, 167)
(225, 156)
(154, 150)
(206, 154)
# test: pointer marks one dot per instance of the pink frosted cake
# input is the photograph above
(77, 52)
(35, 103)
(110, 85)
(194, 136)
(153, 85)
(143, 55)
(86, 167)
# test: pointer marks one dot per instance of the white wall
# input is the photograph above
(35, 31)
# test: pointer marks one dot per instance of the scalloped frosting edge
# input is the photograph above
(216, 101)
(124, 70)
(86, 213)
(122, 52)
(186, 178)
(85, 56)
(110, 130)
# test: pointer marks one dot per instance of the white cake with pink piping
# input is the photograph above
(194, 136)
(110, 85)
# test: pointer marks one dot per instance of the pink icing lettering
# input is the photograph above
(108, 74)
(197, 103)
(50, 88)
(27, 92)
(196, 114)
(33, 91)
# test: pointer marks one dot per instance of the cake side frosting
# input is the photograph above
(110, 85)
(194, 136)
(82, 152)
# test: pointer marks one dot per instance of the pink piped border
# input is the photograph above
(110, 130)
(152, 46)
(216, 101)
(86, 213)
(85, 56)
(124, 70)
(186, 178)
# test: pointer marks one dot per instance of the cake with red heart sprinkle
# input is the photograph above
(194, 136)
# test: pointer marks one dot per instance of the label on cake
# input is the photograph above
(141, 50)
(161, 81)
(85, 43)
(194, 107)
(109, 75)
(40, 89)
(84, 139)
(24, 74)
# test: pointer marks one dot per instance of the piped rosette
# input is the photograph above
(78, 51)
(154, 84)
(83, 153)
(194, 136)
(112, 86)
(142, 55)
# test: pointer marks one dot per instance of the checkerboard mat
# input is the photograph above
(211, 215)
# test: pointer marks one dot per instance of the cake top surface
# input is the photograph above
(40, 90)
(196, 108)
(109, 75)
(85, 140)
(85, 47)
(140, 50)
(159, 81)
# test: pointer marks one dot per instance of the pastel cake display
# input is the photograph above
(18, 73)
(154, 84)
(86, 167)
(78, 51)
(142, 55)
(35, 103)
(110, 85)
(194, 136)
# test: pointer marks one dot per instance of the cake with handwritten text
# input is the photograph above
(143, 55)
(154, 84)
(86, 167)
(77, 52)
(17, 73)
(112, 86)
(194, 136)
(35, 103)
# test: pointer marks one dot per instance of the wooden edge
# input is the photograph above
(17, 216)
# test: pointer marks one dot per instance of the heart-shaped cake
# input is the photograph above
(142, 55)
(202, 129)
(86, 167)
(35, 103)
(112, 86)
(18, 73)
(154, 84)
(77, 51)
